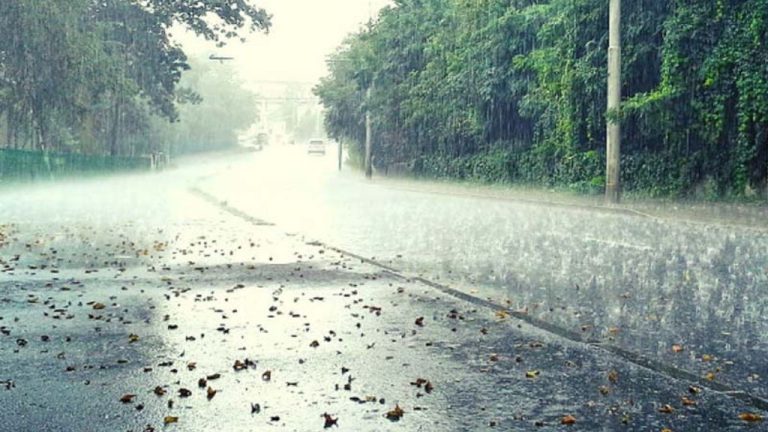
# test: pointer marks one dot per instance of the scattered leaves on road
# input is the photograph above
(329, 421)
(666, 409)
(532, 373)
(750, 417)
(395, 414)
(127, 398)
(210, 393)
(613, 376)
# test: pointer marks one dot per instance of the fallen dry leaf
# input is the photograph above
(395, 413)
(568, 420)
(210, 393)
(98, 306)
(170, 419)
(676, 348)
(330, 421)
(613, 376)
(687, 402)
(666, 409)
(532, 374)
(128, 398)
(750, 417)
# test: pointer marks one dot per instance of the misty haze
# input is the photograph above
(375, 215)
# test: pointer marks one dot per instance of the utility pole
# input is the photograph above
(368, 135)
(340, 148)
(613, 135)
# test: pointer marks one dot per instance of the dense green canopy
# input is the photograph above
(515, 90)
(92, 75)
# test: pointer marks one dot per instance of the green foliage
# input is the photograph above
(515, 90)
(91, 76)
(214, 110)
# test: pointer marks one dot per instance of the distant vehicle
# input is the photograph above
(316, 146)
(253, 144)
(253, 147)
(262, 138)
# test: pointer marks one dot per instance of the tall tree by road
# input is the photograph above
(501, 90)
(82, 75)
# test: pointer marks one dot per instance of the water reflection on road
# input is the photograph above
(643, 283)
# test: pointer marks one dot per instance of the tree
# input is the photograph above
(216, 108)
(514, 90)
(80, 75)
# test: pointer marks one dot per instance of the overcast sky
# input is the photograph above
(303, 33)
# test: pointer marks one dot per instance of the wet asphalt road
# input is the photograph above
(137, 286)
(642, 284)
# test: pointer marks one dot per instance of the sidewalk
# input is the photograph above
(751, 215)
(246, 328)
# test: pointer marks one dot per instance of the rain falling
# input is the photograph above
(383, 215)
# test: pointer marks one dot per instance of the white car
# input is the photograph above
(316, 146)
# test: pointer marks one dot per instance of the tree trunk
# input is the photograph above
(113, 139)
(9, 141)
(368, 136)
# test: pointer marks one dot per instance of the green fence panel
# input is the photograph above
(24, 165)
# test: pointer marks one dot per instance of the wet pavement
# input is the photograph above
(645, 284)
(137, 288)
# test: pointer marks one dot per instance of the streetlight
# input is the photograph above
(221, 59)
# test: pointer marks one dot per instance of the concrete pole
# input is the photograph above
(340, 149)
(368, 136)
(613, 136)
